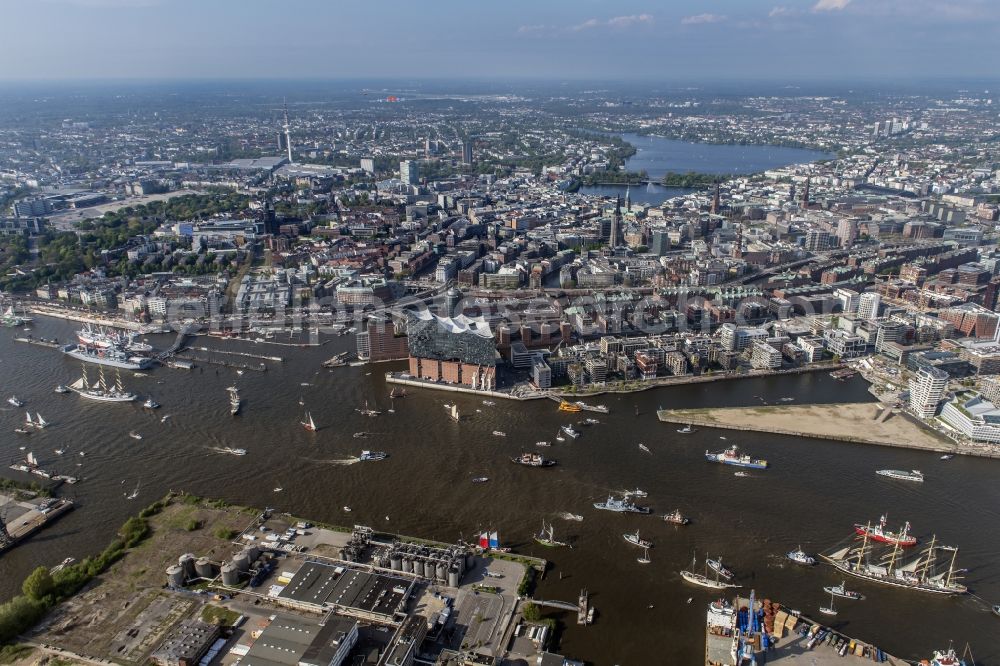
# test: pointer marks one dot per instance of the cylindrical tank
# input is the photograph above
(204, 567)
(428, 569)
(186, 561)
(441, 572)
(242, 561)
(254, 552)
(407, 565)
(175, 576)
(453, 577)
(230, 574)
(396, 562)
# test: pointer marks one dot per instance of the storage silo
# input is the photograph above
(396, 562)
(407, 565)
(253, 551)
(204, 567)
(242, 561)
(175, 576)
(186, 561)
(230, 574)
(453, 577)
(442, 571)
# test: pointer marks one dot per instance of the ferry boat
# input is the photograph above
(842, 591)
(879, 533)
(923, 573)
(308, 424)
(569, 407)
(902, 475)
(14, 401)
(636, 540)
(731, 456)
(532, 460)
(235, 402)
(546, 536)
(621, 506)
(676, 517)
(799, 556)
(570, 432)
(372, 455)
(717, 566)
(102, 391)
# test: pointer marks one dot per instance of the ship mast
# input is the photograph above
(892, 558)
(948, 581)
(928, 560)
(864, 545)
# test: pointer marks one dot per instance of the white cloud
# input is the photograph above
(586, 25)
(626, 21)
(698, 19)
(530, 29)
(780, 10)
(830, 5)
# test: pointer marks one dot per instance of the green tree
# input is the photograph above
(38, 584)
(531, 612)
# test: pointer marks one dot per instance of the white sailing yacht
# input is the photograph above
(308, 424)
(453, 413)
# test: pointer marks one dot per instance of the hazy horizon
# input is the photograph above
(599, 40)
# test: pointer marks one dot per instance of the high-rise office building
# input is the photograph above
(615, 238)
(660, 244)
(467, 151)
(868, 305)
(409, 172)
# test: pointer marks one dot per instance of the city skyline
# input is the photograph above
(631, 40)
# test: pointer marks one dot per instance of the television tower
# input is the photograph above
(288, 133)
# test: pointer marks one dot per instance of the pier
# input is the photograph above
(20, 519)
(41, 342)
(259, 357)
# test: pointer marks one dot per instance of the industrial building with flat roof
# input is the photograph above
(303, 642)
(186, 644)
(325, 585)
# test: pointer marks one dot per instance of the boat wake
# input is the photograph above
(334, 461)
(566, 515)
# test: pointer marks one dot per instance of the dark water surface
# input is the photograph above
(811, 496)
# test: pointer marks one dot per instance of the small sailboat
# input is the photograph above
(645, 557)
(39, 421)
(453, 413)
(828, 610)
(546, 536)
(135, 492)
(308, 424)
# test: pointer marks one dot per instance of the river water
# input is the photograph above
(811, 496)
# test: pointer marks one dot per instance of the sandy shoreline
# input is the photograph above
(851, 422)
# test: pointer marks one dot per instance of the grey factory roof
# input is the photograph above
(320, 584)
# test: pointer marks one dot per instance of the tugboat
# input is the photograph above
(570, 432)
(717, 566)
(636, 540)
(799, 557)
(902, 538)
(842, 592)
(532, 460)
(621, 506)
(677, 518)
(731, 457)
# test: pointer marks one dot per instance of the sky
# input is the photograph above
(656, 40)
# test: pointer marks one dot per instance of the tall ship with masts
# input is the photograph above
(931, 570)
(102, 391)
(117, 349)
